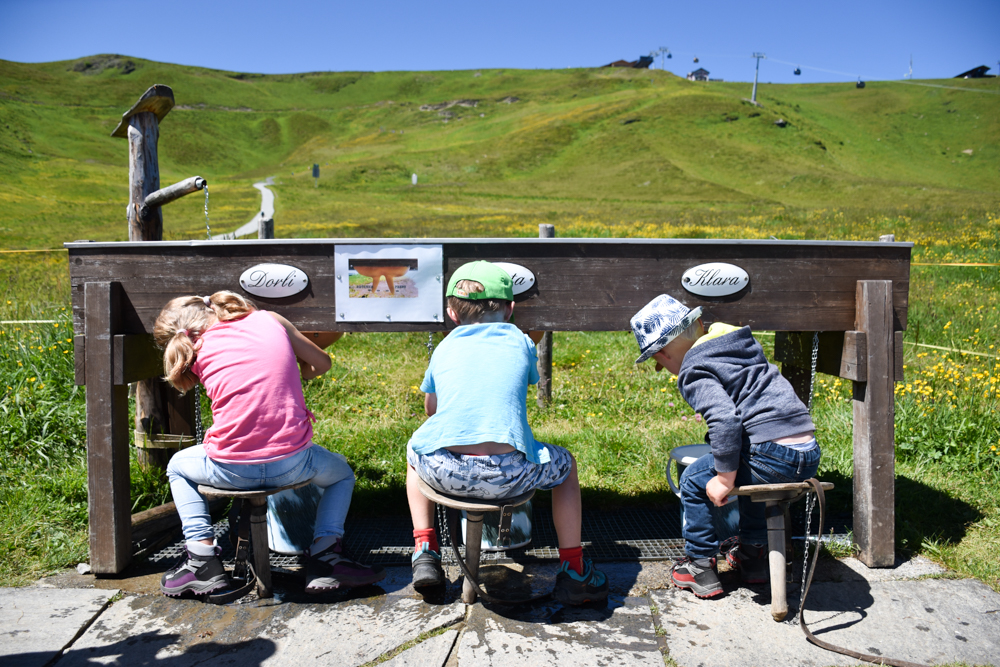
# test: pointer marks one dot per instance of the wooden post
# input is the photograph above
(265, 228)
(155, 402)
(108, 498)
(874, 428)
(545, 344)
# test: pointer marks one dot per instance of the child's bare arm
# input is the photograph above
(313, 360)
(430, 404)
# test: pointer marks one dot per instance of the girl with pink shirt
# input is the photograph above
(249, 362)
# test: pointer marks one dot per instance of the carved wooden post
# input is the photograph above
(159, 409)
(545, 344)
(874, 428)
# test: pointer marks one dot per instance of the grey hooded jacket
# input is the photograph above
(728, 380)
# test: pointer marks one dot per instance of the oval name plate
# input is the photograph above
(522, 278)
(273, 281)
(715, 279)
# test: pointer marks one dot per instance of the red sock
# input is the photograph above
(428, 535)
(573, 556)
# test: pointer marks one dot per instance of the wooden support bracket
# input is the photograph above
(136, 358)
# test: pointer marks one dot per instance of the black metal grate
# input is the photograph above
(622, 535)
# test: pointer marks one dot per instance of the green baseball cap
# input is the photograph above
(495, 281)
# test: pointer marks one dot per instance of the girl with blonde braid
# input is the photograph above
(249, 362)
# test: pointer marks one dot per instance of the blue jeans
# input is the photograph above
(328, 470)
(763, 463)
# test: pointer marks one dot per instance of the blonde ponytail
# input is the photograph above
(182, 321)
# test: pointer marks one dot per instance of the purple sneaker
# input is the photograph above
(198, 574)
(332, 569)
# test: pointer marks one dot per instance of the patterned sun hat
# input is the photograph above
(659, 322)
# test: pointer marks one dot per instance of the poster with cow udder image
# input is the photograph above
(389, 283)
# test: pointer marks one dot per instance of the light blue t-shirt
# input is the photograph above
(480, 374)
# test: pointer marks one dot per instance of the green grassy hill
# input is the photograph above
(578, 147)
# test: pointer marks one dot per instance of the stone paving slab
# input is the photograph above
(38, 623)
(620, 634)
(927, 621)
(152, 629)
(433, 652)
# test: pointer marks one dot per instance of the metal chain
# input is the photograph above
(810, 503)
(812, 368)
(198, 429)
(430, 345)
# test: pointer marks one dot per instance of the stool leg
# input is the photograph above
(473, 544)
(261, 552)
(776, 558)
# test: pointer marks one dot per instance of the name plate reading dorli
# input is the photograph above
(715, 279)
(273, 281)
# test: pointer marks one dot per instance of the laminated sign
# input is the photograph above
(389, 283)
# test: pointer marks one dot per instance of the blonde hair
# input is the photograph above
(182, 321)
(469, 310)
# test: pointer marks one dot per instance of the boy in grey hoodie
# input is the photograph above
(759, 431)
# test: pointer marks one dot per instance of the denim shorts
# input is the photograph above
(488, 477)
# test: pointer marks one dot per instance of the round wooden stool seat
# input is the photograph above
(257, 498)
(479, 505)
(260, 494)
(474, 509)
(777, 498)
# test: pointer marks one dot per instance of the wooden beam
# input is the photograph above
(583, 284)
(108, 491)
(136, 358)
(874, 429)
(158, 100)
(841, 353)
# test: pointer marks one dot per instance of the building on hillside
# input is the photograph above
(700, 74)
(976, 73)
(642, 63)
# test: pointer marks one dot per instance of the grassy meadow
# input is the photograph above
(598, 153)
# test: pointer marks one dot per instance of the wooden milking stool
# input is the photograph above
(777, 498)
(474, 509)
(257, 499)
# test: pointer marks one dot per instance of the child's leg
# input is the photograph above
(769, 463)
(567, 510)
(187, 469)
(331, 473)
(700, 540)
(421, 508)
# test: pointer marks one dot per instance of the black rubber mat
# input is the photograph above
(622, 535)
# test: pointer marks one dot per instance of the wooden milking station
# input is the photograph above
(854, 294)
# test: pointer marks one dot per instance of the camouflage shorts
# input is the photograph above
(497, 476)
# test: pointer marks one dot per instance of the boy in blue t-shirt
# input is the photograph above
(477, 441)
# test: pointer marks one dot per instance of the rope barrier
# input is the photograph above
(39, 250)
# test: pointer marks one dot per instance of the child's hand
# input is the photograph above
(718, 487)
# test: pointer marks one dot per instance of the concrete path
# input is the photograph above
(266, 212)
(893, 613)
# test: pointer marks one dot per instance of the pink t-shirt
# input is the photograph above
(250, 372)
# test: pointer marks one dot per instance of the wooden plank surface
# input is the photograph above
(582, 285)
(107, 436)
(874, 430)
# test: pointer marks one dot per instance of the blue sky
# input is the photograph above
(850, 38)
